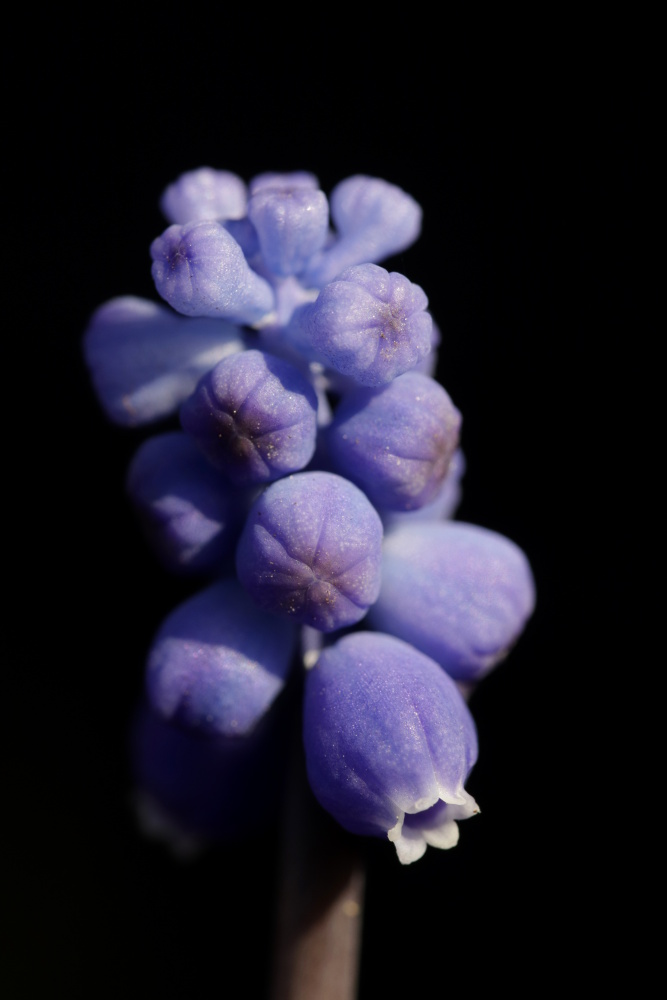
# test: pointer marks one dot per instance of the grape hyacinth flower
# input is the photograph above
(205, 194)
(311, 550)
(459, 593)
(370, 325)
(291, 218)
(254, 416)
(310, 486)
(373, 219)
(389, 743)
(200, 270)
(216, 664)
(145, 360)
(396, 443)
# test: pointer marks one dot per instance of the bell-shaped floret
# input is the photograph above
(144, 359)
(311, 551)
(200, 270)
(374, 220)
(389, 743)
(396, 443)
(255, 418)
(217, 663)
(369, 324)
(190, 514)
(291, 218)
(459, 593)
(204, 194)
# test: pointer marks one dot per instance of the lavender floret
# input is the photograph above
(311, 551)
(291, 219)
(217, 663)
(254, 416)
(144, 359)
(459, 593)
(389, 743)
(396, 443)
(370, 325)
(374, 220)
(200, 270)
(204, 194)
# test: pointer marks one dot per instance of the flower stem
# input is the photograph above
(319, 917)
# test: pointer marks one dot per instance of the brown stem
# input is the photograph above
(318, 933)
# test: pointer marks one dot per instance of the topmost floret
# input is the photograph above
(291, 218)
(205, 194)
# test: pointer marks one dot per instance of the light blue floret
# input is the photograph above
(311, 549)
(200, 270)
(371, 325)
(396, 443)
(144, 359)
(459, 593)
(204, 194)
(254, 417)
(290, 215)
(217, 662)
(388, 737)
(373, 219)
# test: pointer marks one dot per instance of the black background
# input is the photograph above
(529, 167)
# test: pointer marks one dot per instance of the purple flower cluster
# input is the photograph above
(310, 488)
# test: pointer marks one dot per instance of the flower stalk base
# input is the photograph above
(320, 903)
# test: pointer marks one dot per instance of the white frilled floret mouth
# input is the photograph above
(431, 824)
